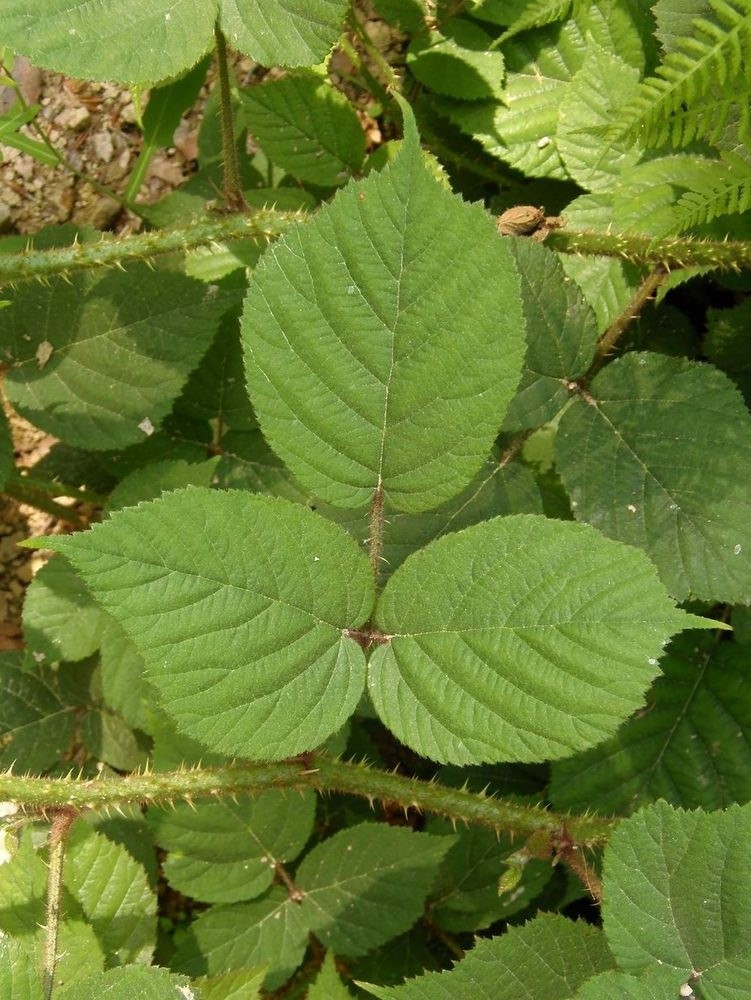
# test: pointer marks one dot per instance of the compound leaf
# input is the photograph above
(237, 603)
(354, 884)
(366, 366)
(546, 959)
(690, 746)
(659, 456)
(518, 639)
(677, 894)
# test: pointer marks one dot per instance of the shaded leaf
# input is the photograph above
(237, 604)
(268, 931)
(328, 984)
(307, 127)
(6, 449)
(519, 639)
(157, 478)
(354, 884)
(671, 898)
(119, 358)
(114, 892)
(36, 725)
(457, 61)
(660, 457)
(546, 959)
(656, 983)
(61, 619)
(689, 746)
(224, 852)
(366, 367)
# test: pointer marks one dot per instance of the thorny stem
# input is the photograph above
(375, 87)
(233, 195)
(264, 224)
(316, 771)
(619, 325)
(376, 55)
(59, 831)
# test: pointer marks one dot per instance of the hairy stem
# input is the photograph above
(619, 325)
(265, 224)
(233, 194)
(59, 831)
(672, 252)
(316, 771)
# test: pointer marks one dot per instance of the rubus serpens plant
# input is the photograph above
(406, 655)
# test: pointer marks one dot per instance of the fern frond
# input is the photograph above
(716, 55)
(728, 194)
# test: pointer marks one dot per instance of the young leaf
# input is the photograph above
(678, 892)
(546, 959)
(115, 896)
(269, 931)
(660, 457)
(61, 619)
(237, 603)
(561, 335)
(691, 746)
(519, 639)
(366, 365)
(328, 984)
(353, 884)
(118, 359)
(36, 726)
(306, 127)
(224, 852)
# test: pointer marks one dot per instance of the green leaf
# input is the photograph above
(561, 336)
(269, 931)
(19, 975)
(118, 358)
(656, 983)
(678, 895)
(690, 745)
(145, 983)
(354, 884)
(366, 366)
(61, 619)
(457, 61)
(328, 984)
(237, 603)
(306, 127)
(110, 739)
(727, 344)
(282, 32)
(244, 984)
(659, 457)
(224, 852)
(157, 478)
(123, 686)
(115, 895)
(465, 896)
(36, 726)
(546, 959)
(519, 639)
(152, 40)
(603, 84)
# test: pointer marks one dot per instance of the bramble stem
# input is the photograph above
(619, 325)
(264, 224)
(59, 831)
(315, 771)
(233, 194)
